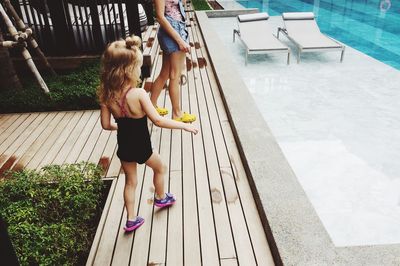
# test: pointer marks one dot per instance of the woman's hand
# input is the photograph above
(191, 128)
(184, 46)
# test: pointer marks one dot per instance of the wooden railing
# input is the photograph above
(78, 27)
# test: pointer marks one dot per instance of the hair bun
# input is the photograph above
(133, 41)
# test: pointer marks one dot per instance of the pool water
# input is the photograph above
(372, 27)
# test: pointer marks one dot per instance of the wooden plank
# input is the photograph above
(83, 138)
(146, 35)
(150, 50)
(110, 231)
(91, 142)
(191, 234)
(100, 146)
(242, 240)
(33, 149)
(6, 121)
(69, 144)
(221, 215)
(140, 250)
(100, 226)
(49, 142)
(32, 137)
(174, 252)
(60, 140)
(229, 262)
(158, 240)
(255, 226)
(108, 152)
(25, 143)
(115, 165)
(208, 238)
(8, 158)
(123, 245)
(10, 126)
(14, 131)
(209, 246)
(4, 117)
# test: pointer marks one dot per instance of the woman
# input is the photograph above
(173, 39)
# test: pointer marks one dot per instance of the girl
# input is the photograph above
(130, 106)
(173, 39)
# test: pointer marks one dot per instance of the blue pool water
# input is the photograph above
(370, 26)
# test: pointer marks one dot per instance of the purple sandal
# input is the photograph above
(167, 201)
(133, 225)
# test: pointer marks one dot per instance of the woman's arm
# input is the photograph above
(160, 9)
(105, 116)
(159, 120)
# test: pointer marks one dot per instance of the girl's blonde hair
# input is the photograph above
(120, 67)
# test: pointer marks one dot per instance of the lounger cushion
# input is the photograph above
(253, 17)
(258, 36)
(298, 15)
(306, 34)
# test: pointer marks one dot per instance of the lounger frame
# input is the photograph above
(260, 51)
(301, 49)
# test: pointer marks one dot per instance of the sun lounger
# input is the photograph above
(302, 29)
(257, 36)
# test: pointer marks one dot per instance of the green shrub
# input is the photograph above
(73, 91)
(51, 213)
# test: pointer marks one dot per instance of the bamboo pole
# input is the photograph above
(32, 42)
(9, 44)
(9, 77)
(19, 37)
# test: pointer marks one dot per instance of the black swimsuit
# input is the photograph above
(133, 137)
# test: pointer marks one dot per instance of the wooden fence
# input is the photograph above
(80, 27)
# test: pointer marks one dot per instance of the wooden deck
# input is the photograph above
(215, 220)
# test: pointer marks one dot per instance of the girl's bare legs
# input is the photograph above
(160, 81)
(176, 66)
(159, 169)
(130, 187)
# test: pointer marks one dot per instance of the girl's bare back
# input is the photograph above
(131, 104)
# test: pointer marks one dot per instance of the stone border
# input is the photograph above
(295, 233)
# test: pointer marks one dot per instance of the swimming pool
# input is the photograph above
(372, 27)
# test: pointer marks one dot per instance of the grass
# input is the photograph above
(72, 91)
(201, 5)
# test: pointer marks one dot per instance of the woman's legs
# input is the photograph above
(130, 187)
(159, 169)
(172, 68)
(160, 81)
(177, 60)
